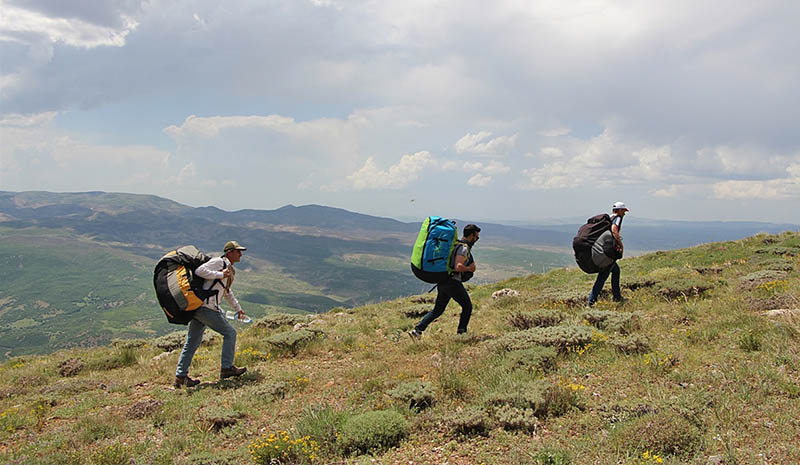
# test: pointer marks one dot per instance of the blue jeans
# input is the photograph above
(452, 289)
(613, 270)
(215, 320)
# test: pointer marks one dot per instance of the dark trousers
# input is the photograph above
(451, 289)
(613, 270)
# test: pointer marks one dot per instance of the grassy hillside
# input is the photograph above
(700, 365)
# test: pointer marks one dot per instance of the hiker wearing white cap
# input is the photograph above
(218, 274)
(618, 211)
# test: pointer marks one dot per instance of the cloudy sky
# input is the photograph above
(502, 110)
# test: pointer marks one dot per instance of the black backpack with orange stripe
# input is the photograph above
(178, 290)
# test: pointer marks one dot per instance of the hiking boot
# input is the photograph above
(416, 335)
(232, 371)
(620, 299)
(181, 381)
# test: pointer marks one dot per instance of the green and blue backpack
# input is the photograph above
(431, 256)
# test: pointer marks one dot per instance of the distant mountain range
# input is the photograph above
(76, 268)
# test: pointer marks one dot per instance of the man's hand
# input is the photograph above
(240, 314)
(226, 272)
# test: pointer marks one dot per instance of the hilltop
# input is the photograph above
(700, 365)
(76, 268)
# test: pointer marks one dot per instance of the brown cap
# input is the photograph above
(232, 245)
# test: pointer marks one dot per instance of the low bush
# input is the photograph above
(282, 448)
(663, 433)
(417, 395)
(70, 367)
(278, 320)
(217, 417)
(560, 337)
(416, 311)
(118, 359)
(129, 343)
(618, 322)
(323, 425)
(537, 318)
(272, 390)
(550, 456)
(171, 341)
(534, 359)
(114, 454)
(516, 419)
(632, 344)
(637, 282)
(293, 341)
(562, 297)
(144, 408)
(373, 432)
(750, 341)
(470, 421)
(683, 287)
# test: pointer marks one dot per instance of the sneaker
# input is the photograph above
(181, 381)
(232, 371)
(416, 335)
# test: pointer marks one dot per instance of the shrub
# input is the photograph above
(322, 425)
(663, 433)
(563, 297)
(752, 280)
(11, 420)
(278, 320)
(537, 318)
(416, 311)
(683, 287)
(171, 341)
(633, 344)
(128, 343)
(750, 341)
(115, 454)
(272, 391)
(471, 421)
(560, 337)
(216, 417)
(144, 408)
(534, 359)
(118, 359)
(251, 355)
(293, 341)
(550, 456)
(453, 382)
(373, 432)
(70, 367)
(637, 282)
(522, 395)
(281, 448)
(516, 419)
(417, 395)
(612, 321)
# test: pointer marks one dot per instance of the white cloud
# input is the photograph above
(20, 25)
(670, 192)
(406, 171)
(479, 180)
(473, 143)
(552, 152)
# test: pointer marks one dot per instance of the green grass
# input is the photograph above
(680, 376)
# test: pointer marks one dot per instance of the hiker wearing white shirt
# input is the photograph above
(218, 274)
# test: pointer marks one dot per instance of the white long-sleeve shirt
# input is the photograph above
(212, 271)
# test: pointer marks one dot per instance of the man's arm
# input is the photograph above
(460, 264)
(615, 233)
(212, 269)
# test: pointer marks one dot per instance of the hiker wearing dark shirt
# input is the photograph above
(618, 211)
(463, 266)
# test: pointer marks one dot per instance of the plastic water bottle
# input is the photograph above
(235, 317)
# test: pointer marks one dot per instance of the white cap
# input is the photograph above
(619, 206)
